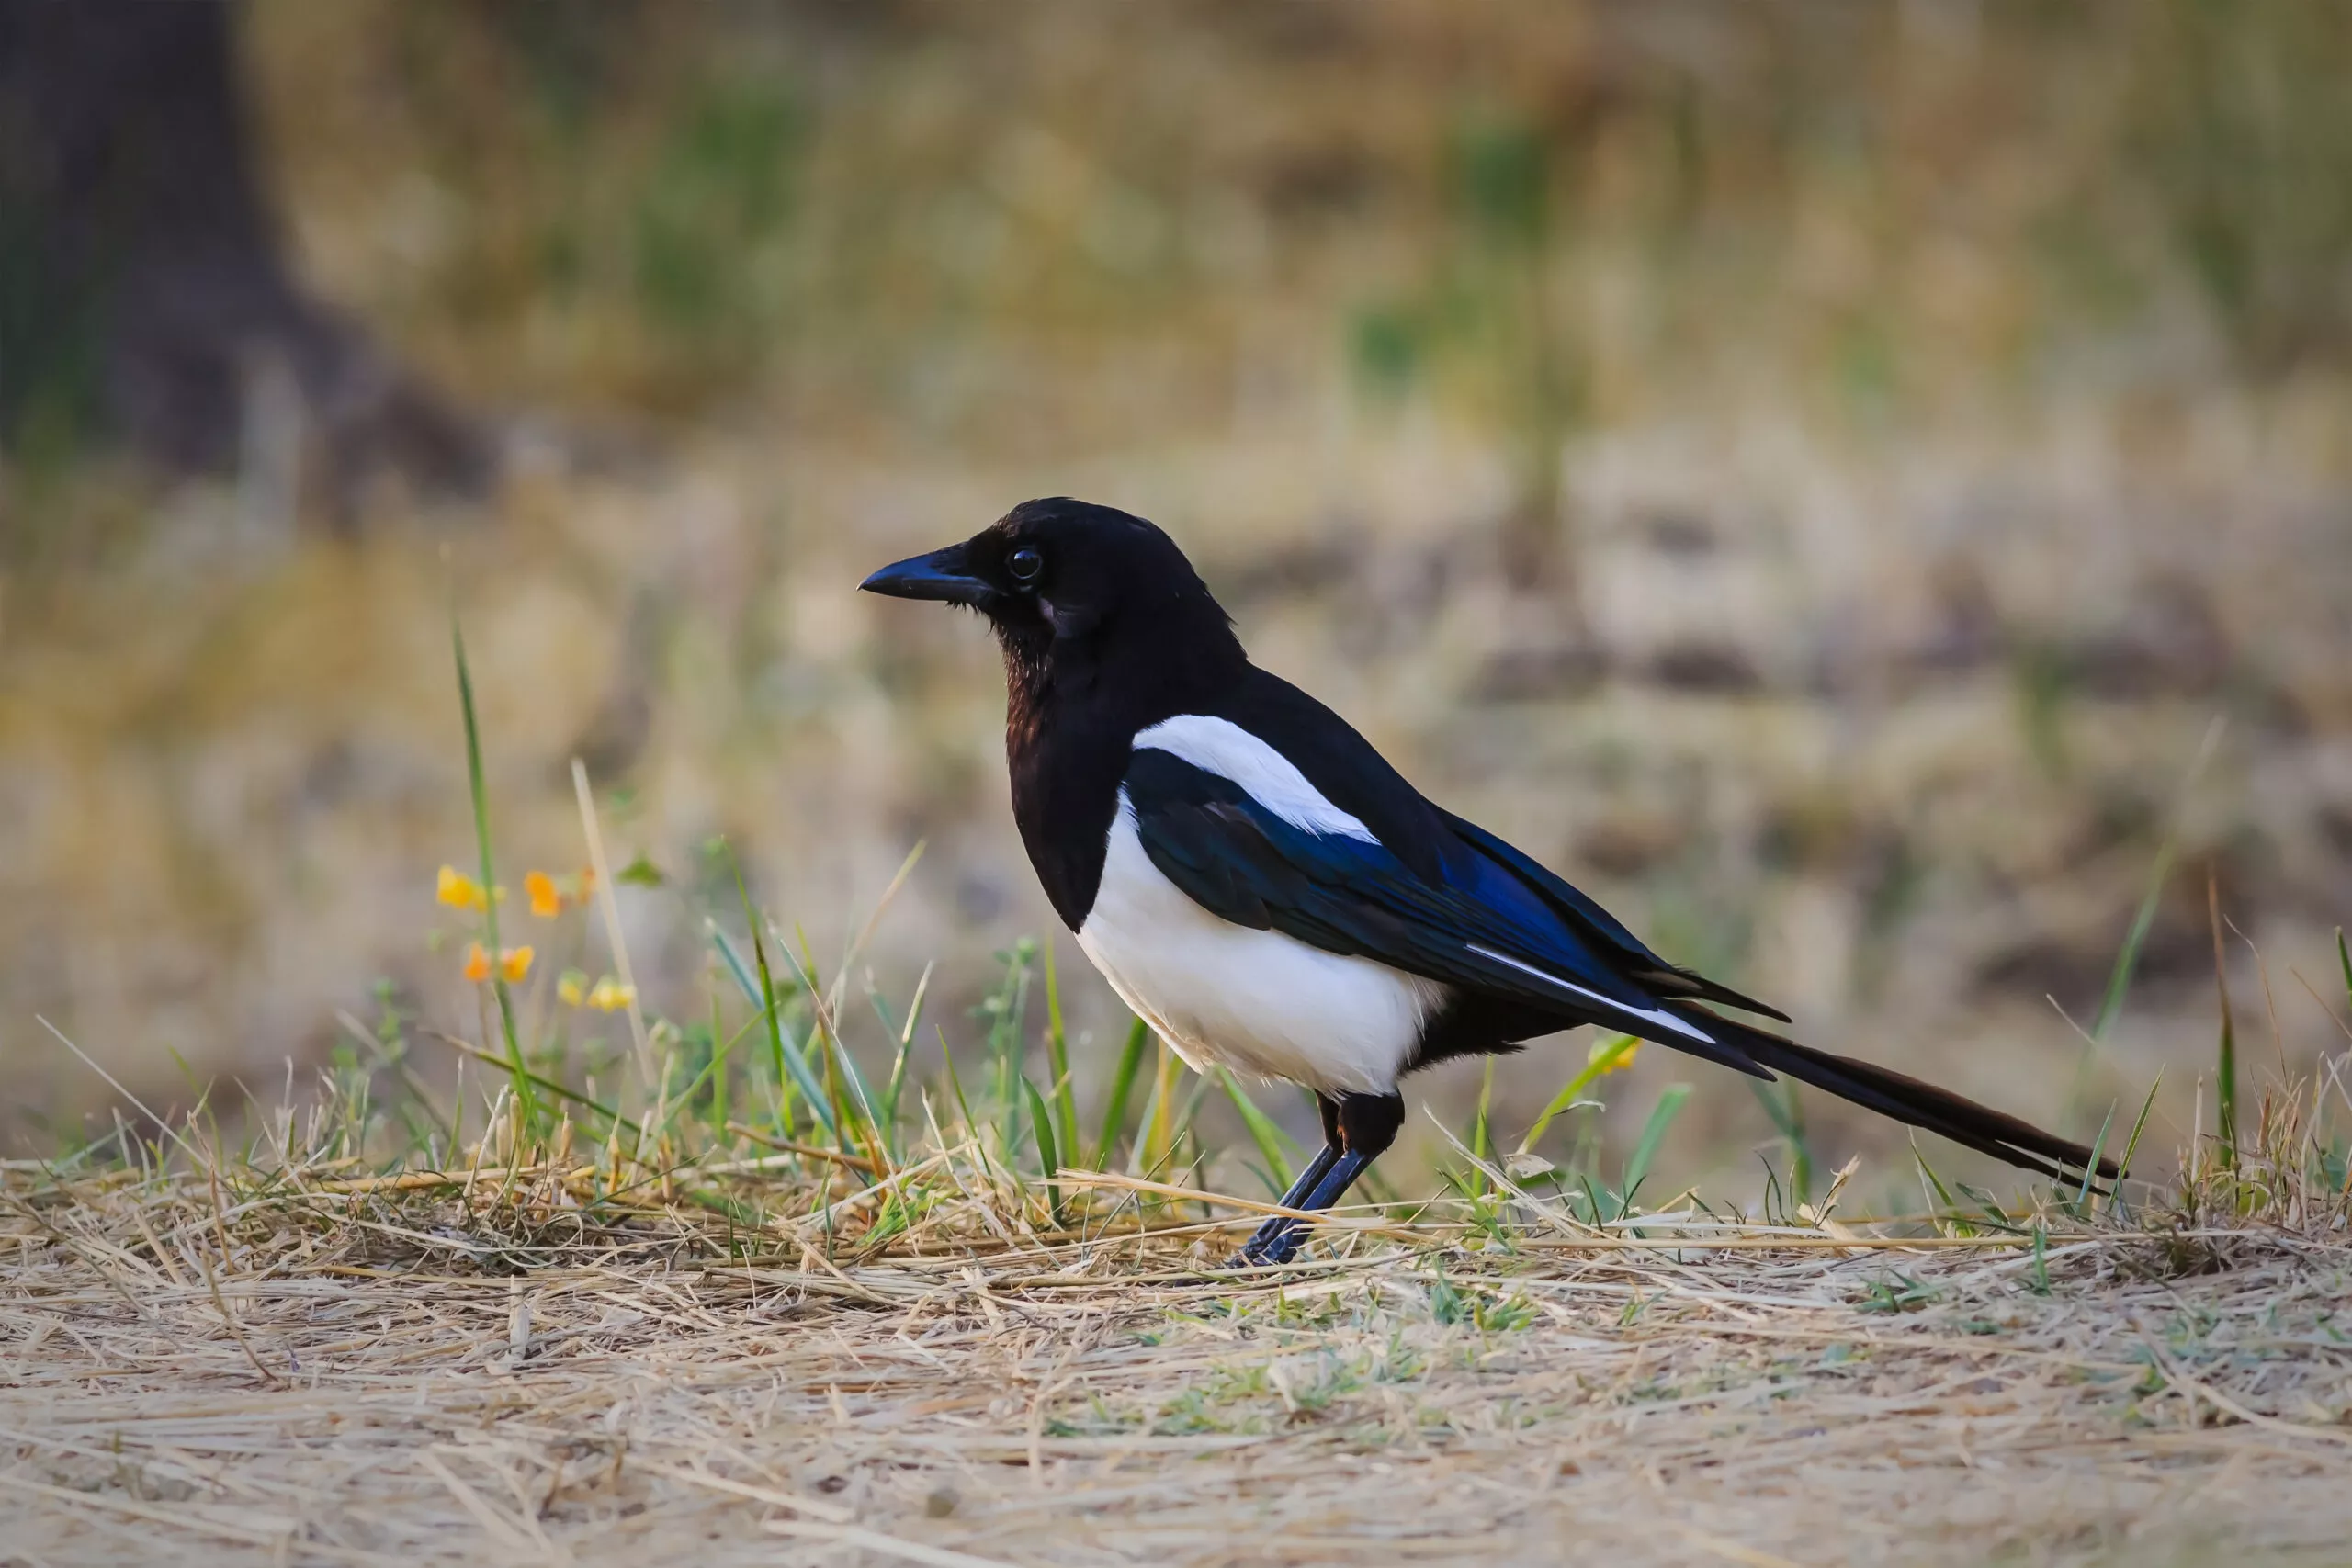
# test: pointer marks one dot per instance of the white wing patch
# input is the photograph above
(1221, 747)
(1656, 1015)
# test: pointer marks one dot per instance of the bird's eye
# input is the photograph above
(1027, 566)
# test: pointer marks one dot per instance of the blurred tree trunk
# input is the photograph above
(144, 293)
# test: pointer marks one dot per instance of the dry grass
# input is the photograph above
(278, 1355)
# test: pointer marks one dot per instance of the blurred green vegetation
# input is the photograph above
(653, 208)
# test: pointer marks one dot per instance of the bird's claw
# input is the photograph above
(1275, 1242)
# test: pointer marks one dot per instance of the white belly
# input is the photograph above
(1259, 1002)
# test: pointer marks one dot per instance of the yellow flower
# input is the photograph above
(609, 995)
(572, 987)
(1602, 1050)
(513, 963)
(546, 902)
(459, 891)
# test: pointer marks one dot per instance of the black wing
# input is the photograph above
(1597, 924)
(1486, 930)
(1348, 895)
(1440, 847)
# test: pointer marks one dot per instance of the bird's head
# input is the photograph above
(1071, 587)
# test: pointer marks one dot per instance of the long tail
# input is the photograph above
(1906, 1099)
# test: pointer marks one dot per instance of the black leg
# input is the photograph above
(1357, 1128)
(1273, 1241)
(1310, 1178)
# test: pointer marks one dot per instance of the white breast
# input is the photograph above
(1259, 1002)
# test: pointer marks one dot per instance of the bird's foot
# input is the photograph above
(1276, 1241)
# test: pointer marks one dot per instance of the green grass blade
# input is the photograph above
(2226, 1077)
(1662, 1115)
(1041, 1123)
(1006, 1009)
(1158, 1138)
(765, 999)
(1189, 1115)
(2131, 1144)
(897, 1090)
(863, 1123)
(1123, 1083)
(891, 1097)
(2344, 960)
(1787, 1112)
(2099, 1147)
(557, 1091)
(2128, 959)
(1604, 1059)
(1481, 1144)
(524, 1095)
(2226, 1069)
(744, 981)
(1946, 1206)
(867, 1100)
(955, 1083)
(1262, 1131)
(1065, 1101)
(718, 1071)
(714, 1072)
(792, 1066)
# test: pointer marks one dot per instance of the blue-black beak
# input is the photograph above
(939, 575)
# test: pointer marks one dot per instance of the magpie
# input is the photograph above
(1260, 886)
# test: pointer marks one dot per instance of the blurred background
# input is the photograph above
(1863, 488)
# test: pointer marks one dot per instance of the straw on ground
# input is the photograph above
(292, 1365)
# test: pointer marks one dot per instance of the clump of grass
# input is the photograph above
(749, 1128)
(2292, 1169)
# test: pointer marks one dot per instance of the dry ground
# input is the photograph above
(381, 1395)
